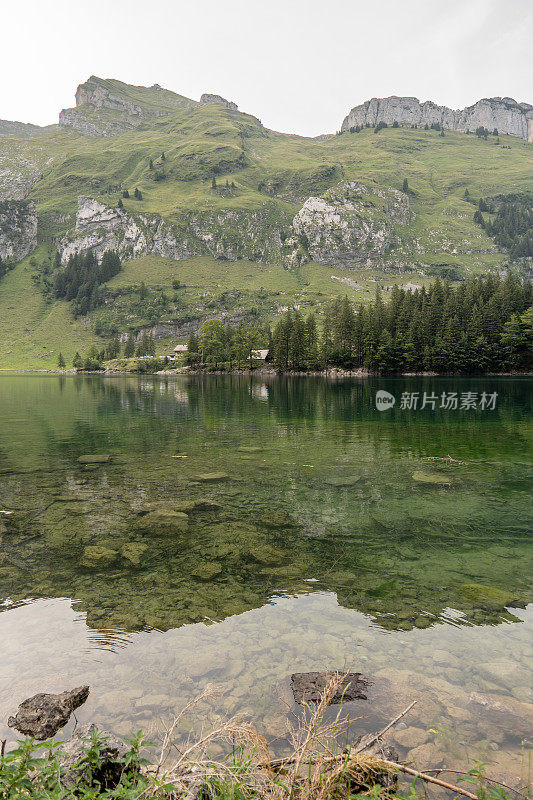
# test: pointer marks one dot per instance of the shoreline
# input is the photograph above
(266, 372)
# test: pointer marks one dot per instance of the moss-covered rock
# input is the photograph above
(342, 481)
(437, 478)
(207, 570)
(97, 557)
(94, 459)
(486, 597)
(265, 554)
(162, 522)
(211, 477)
(276, 519)
(133, 552)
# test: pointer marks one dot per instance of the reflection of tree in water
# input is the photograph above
(393, 557)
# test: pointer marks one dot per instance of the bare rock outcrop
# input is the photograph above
(349, 225)
(18, 228)
(216, 99)
(503, 113)
(225, 234)
(42, 715)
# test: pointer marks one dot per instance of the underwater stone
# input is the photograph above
(276, 519)
(207, 477)
(97, 557)
(163, 522)
(438, 478)
(133, 551)
(43, 715)
(94, 459)
(487, 597)
(411, 737)
(264, 554)
(308, 687)
(207, 570)
(251, 449)
(343, 482)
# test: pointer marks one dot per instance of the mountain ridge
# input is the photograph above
(245, 221)
(501, 113)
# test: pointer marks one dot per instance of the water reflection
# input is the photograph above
(316, 490)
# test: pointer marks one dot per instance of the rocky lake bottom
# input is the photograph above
(157, 535)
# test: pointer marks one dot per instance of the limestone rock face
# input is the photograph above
(351, 224)
(216, 99)
(503, 113)
(227, 234)
(18, 228)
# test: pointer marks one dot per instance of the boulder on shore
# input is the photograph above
(42, 715)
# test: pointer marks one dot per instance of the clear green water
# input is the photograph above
(320, 546)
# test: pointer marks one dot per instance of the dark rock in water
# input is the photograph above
(111, 761)
(43, 715)
(94, 459)
(308, 687)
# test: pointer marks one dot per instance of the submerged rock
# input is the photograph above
(250, 449)
(42, 715)
(207, 570)
(98, 557)
(438, 478)
(265, 554)
(208, 477)
(94, 459)
(343, 481)
(487, 597)
(162, 521)
(133, 552)
(276, 519)
(411, 737)
(308, 687)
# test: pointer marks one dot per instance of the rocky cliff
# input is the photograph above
(503, 113)
(216, 99)
(18, 228)
(228, 235)
(349, 225)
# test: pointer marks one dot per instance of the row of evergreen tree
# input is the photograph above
(80, 279)
(483, 325)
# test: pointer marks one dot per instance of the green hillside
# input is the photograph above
(177, 153)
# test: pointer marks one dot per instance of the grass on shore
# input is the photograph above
(323, 764)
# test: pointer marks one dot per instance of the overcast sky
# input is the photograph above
(299, 65)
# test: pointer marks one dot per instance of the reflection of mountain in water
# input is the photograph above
(317, 491)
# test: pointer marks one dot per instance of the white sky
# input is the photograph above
(299, 65)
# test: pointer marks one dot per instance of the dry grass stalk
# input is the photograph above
(320, 767)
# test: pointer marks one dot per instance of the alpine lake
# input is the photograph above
(159, 534)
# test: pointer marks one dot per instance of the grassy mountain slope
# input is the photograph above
(266, 172)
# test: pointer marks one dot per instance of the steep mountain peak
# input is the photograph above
(105, 107)
(503, 113)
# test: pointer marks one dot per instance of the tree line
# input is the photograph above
(485, 324)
